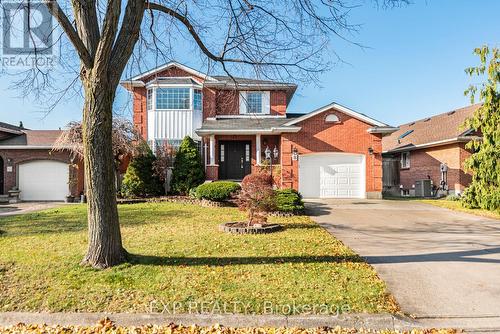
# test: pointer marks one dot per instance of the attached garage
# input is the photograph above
(332, 175)
(43, 180)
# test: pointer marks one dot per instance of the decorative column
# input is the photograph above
(257, 149)
(212, 150)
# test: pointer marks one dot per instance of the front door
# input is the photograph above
(234, 159)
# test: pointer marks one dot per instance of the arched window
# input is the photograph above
(332, 118)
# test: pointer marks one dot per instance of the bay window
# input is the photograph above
(173, 98)
(150, 99)
(197, 100)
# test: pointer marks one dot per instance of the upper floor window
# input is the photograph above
(197, 100)
(254, 102)
(149, 99)
(172, 98)
(405, 160)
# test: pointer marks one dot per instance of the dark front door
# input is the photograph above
(234, 159)
(1, 176)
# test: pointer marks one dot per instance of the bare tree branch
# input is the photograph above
(63, 20)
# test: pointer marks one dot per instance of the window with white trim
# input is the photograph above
(197, 99)
(172, 98)
(149, 99)
(255, 102)
(405, 160)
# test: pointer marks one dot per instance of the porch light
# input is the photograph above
(276, 152)
(267, 152)
(295, 154)
(370, 150)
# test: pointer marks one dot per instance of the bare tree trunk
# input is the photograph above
(105, 244)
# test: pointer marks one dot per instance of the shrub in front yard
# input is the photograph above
(257, 197)
(192, 192)
(188, 168)
(139, 180)
(289, 200)
(453, 198)
(217, 191)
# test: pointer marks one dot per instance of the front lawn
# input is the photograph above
(180, 259)
(457, 206)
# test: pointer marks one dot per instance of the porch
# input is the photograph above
(232, 157)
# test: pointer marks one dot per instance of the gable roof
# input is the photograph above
(170, 65)
(25, 138)
(439, 129)
(340, 108)
(218, 81)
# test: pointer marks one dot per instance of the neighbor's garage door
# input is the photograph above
(43, 180)
(332, 175)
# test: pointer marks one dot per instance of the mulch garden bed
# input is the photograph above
(243, 228)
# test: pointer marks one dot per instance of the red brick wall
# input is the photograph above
(209, 102)
(140, 112)
(427, 162)
(278, 102)
(349, 135)
(21, 156)
(227, 102)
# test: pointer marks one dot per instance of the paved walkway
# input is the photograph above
(436, 262)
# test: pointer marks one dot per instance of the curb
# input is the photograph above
(372, 321)
(384, 321)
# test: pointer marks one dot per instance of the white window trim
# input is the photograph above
(407, 160)
(191, 90)
(266, 103)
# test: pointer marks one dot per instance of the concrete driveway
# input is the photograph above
(26, 207)
(436, 262)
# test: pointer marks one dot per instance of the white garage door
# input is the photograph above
(43, 180)
(332, 175)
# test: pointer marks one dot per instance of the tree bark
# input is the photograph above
(105, 244)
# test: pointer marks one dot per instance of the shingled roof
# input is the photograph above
(431, 130)
(32, 138)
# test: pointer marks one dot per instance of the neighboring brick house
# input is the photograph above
(330, 152)
(432, 148)
(27, 163)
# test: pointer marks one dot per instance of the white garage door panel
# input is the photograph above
(332, 175)
(43, 180)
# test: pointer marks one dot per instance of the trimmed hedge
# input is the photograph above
(217, 191)
(289, 200)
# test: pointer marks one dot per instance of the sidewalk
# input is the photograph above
(367, 321)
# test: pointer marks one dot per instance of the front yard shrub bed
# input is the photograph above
(177, 254)
(289, 201)
(217, 191)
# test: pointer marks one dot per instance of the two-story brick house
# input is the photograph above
(330, 152)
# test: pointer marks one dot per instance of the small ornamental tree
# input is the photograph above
(165, 157)
(257, 197)
(484, 163)
(140, 180)
(188, 168)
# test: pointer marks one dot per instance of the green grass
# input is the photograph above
(178, 255)
(456, 205)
